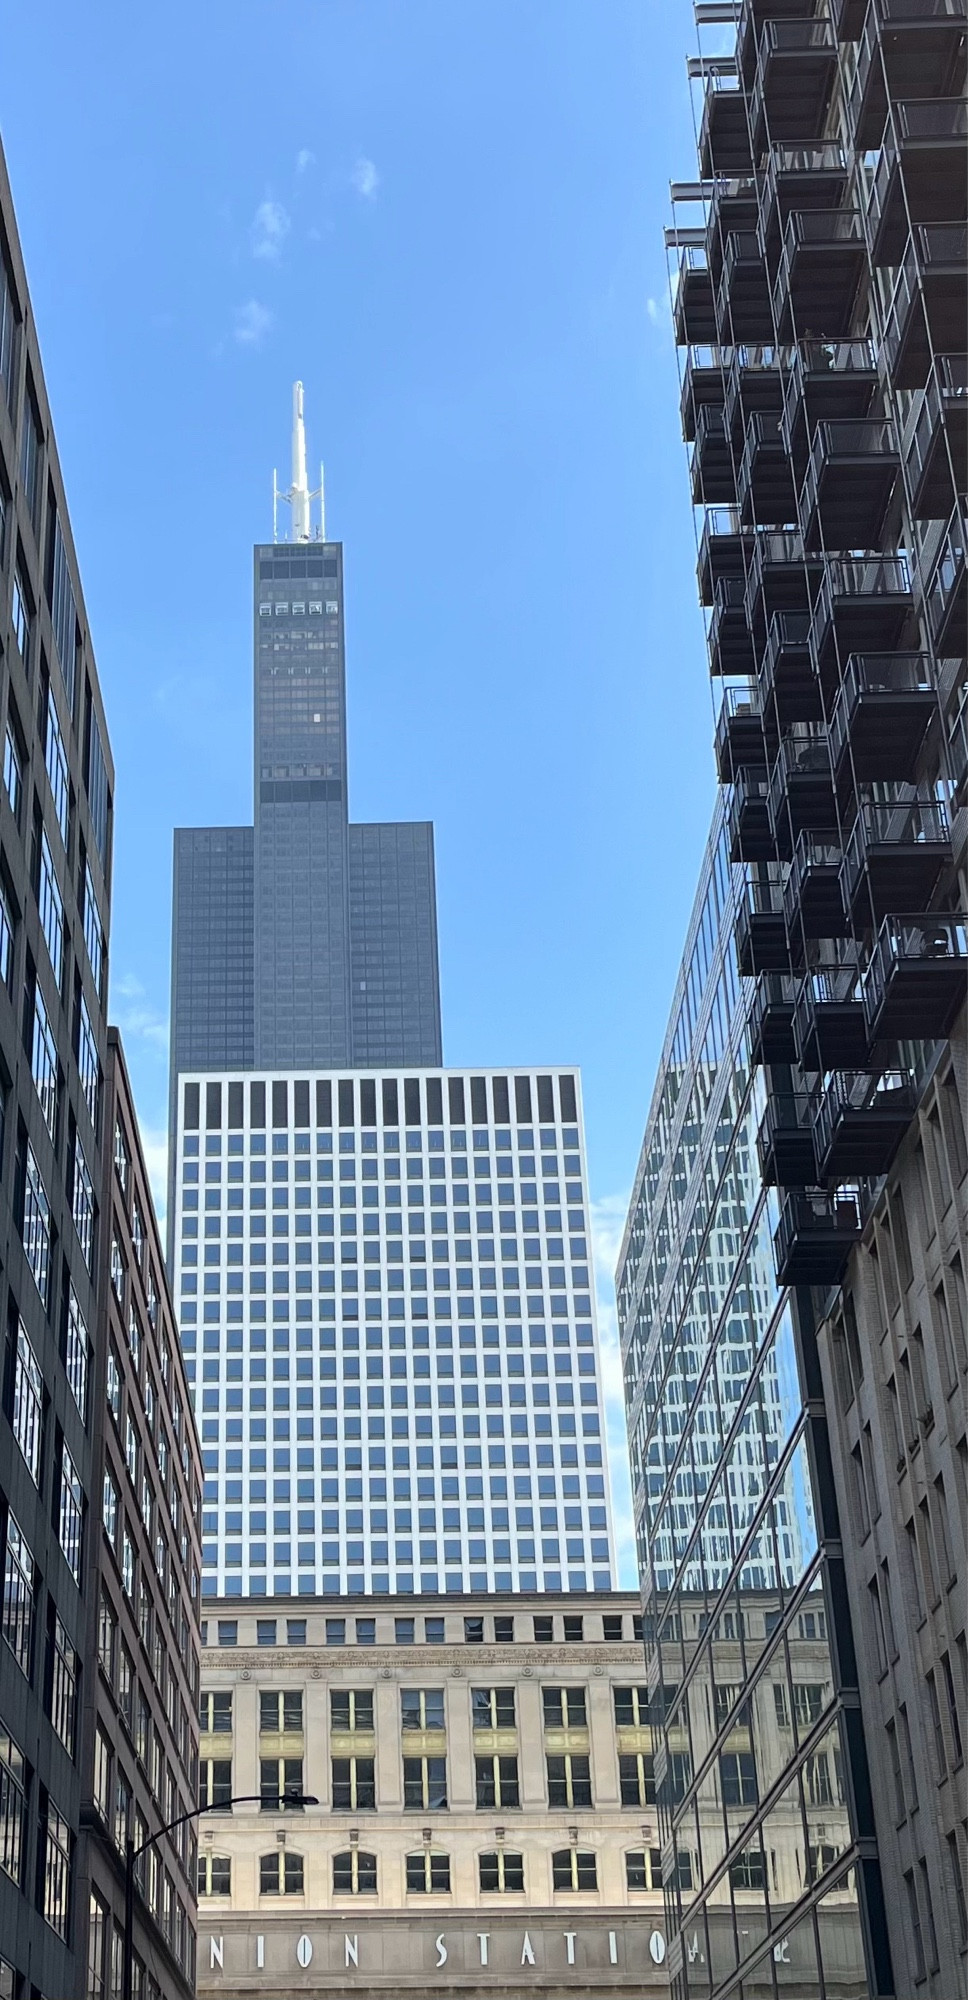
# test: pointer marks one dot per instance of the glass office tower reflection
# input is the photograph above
(759, 1765)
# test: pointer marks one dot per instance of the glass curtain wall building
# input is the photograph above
(760, 1766)
(387, 1311)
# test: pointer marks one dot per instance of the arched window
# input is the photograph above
(214, 1875)
(354, 1874)
(280, 1873)
(428, 1874)
(574, 1868)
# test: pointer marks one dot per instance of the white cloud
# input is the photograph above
(365, 178)
(608, 1222)
(305, 159)
(270, 227)
(252, 323)
(653, 311)
(135, 1016)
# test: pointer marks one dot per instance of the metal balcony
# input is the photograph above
(848, 484)
(798, 178)
(734, 210)
(751, 836)
(946, 590)
(813, 902)
(926, 315)
(724, 137)
(795, 70)
(722, 548)
(847, 18)
(935, 443)
(787, 679)
(712, 476)
(917, 980)
(821, 264)
(909, 49)
(815, 1236)
(801, 795)
(829, 1022)
(752, 16)
(764, 483)
(860, 1121)
(771, 1020)
(729, 638)
(883, 709)
(754, 382)
(693, 309)
(743, 305)
(919, 176)
(784, 1142)
(864, 604)
(740, 743)
(894, 857)
(826, 379)
(761, 933)
(779, 576)
(702, 382)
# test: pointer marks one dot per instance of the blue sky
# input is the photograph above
(445, 216)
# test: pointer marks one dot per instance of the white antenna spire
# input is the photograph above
(298, 495)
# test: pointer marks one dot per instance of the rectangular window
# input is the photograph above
(569, 1781)
(351, 1709)
(82, 1204)
(636, 1779)
(63, 1678)
(501, 1873)
(424, 1784)
(6, 938)
(215, 1712)
(58, 1850)
(496, 1782)
(50, 903)
(13, 771)
(71, 1514)
(215, 1783)
(93, 929)
(737, 1774)
(36, 1236)
(354, 1784)
(574, 1868)
(564, 1708)
(28, 1404)
(63, 613)
(77, 1352)
(8, 337)
(280, 1783)
(43, 1063)
(13, 1807)
(280, 1711)
(97, 788)
(428, 1874)
(18, 1596)
(421, 1708)
(88, 1064)
(55, 759)
(97, 1944)
(493, 1708)
(21, 619)
(295, 1631)
(631, 1707)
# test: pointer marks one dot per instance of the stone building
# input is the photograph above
(483, 1772)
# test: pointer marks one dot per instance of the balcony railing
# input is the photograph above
(935, 443)
(702, 382)
(799, 177)
(888, 42)
(860, 1121)
(829, 1020)
(761, 934)
(818, 272)
(917, 979)
(794, 72)
(771, 1019)
(923, 144)
(894, 857)
(946, 590)
(724, 140)
(713, 478)
(784, 1142)
(883, 708)
(863, 605)
(751, 836)
(729, 639)
(802, 787)
(849, 480)
(929, 293)
(813, 901)
(721, 550)
(815, 1236)
(739, 732)
(693, 308)
(743, 303)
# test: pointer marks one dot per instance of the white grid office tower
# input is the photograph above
(386, 1306)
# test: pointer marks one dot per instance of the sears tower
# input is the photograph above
(303, 940)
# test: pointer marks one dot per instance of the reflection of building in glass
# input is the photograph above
(760, 1767)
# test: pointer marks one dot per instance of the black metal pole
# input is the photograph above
(127, 1958)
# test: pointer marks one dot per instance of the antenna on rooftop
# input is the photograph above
(298, 496)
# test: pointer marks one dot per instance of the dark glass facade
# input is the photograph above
(304, 939)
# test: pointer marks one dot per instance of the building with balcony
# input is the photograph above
(483, 1814)
(386, 1307)
(821, 269)
(139, 1715)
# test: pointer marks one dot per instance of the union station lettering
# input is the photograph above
(406, 1951)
